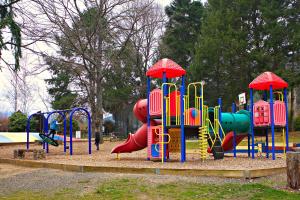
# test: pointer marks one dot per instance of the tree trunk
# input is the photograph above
(293, 171)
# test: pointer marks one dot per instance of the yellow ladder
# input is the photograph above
(203, 136)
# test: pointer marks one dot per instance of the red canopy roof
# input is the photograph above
(171, 68)
(265, 80)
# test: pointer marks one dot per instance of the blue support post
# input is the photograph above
(248, 135)
(165, 93)
(287, 118)
(200, 103)
(182, 141)
(89, 129)
(272, 122)
(265, 98)
(44, 127)
(148, 112)
(234, 132)
(251, 123)
(28, 130)
(220, 119)
(65, 134)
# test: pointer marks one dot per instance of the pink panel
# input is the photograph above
(261, 115)
(155, 102)
(279, 113)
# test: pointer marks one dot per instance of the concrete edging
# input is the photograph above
(247, 174)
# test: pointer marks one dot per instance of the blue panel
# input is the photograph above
(154, 153)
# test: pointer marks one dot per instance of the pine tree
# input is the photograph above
(181, 31)
(7, 21)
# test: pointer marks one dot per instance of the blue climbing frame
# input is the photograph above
(63, 114)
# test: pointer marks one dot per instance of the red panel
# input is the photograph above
(173, 101)
(279, 113)
(261, 115)
(155, 102)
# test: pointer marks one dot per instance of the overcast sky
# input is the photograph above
(36, 81)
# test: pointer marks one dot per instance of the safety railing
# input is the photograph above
(161, 142)
(280, 95)
(197, 88)
(217, 125)
(167, 100)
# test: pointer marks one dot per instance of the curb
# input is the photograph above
(246, 174)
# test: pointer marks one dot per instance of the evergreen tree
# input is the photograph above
(59, 90)
(18, 122)
(240, 39)
(7, 21)
(182, 31)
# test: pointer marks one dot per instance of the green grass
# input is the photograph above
(138, 189)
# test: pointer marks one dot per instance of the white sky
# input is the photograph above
(37, 81)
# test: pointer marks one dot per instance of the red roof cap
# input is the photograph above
(265, 80)
(171, 68)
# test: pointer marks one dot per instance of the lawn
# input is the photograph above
(132, 188)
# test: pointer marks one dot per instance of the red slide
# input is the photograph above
(228, 141)
(138, 140)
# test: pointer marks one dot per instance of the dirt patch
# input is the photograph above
(7, 170)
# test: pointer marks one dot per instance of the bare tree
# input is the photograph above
(20, 91)
(86, 35)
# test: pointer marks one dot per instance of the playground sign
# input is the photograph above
(242, 99)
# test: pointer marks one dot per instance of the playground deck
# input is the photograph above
(103, 158)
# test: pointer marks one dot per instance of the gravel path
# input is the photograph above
(39, 180)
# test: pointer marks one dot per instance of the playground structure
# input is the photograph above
(170, 114)
(45, 116)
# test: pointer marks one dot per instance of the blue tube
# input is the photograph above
(251, 124)
(148, 112)
(234, 132)
(182, 141)
(272, 122)
(287, 118)
(89, 129)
